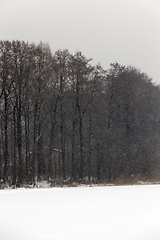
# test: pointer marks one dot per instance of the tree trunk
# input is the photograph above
(1, 149)
(34, 144)
(99, 159)
(40, 155)
(81, 149)
(19, 134)
(15, 147)
(63, 146)
(50, 167)
(89, 153)
(27, 168)
(6, 154)
(73, 152)
(62, 129)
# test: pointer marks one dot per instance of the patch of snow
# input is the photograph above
(96, 213)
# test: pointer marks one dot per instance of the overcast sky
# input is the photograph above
(127, 31)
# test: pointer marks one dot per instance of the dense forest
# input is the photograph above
(63, 119)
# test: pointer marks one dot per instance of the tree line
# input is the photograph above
(63, 118)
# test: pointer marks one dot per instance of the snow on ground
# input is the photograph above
(83, 213)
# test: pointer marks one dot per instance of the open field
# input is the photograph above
(88, 213)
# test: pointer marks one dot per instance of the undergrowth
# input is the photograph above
(119, 181)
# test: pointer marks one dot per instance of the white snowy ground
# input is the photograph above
(83, 213)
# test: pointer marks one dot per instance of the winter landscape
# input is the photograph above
(79, 120)
(88, 213)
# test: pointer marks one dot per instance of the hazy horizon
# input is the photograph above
(107, 31)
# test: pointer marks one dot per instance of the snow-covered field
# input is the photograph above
(83, 213)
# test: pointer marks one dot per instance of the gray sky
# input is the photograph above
(127, 31)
